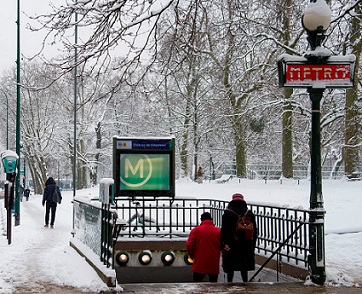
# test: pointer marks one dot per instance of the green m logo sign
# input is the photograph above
(144, 171)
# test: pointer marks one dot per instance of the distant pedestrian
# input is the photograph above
(203, 246)
(27, 194)
(238, 251)
(51, 200)
(200, 175)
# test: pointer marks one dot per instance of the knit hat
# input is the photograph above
(206, 215)
(238, 196)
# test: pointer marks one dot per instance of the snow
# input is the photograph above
(39, 255)
(317, 14)
(9, 153)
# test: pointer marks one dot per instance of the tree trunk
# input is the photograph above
(240, 144)
(287, 137)
(94, 169)
(184, 153)
(351, 149)
(287, 123)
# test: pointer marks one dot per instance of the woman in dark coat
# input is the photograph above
(238, 255)
(50, 201)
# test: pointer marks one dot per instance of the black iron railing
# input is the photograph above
(282, 230)
(175, 218)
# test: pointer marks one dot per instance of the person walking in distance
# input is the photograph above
(203, 246)
(238, 246)
(200, 174)
(51, 197)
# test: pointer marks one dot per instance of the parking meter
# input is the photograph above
(106, 191)
(10, 163)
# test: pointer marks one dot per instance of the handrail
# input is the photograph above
(281, 229)
(275, 252)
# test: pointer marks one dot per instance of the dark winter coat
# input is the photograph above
(50, 185)
(203, 246)
(241, 255)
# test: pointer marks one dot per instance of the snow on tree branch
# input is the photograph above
(106, 29)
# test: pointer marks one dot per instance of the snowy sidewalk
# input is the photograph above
(39, 256)
(225, 288)
(40, 259)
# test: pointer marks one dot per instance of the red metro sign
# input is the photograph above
(303, 74)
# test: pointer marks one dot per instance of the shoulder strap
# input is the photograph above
(236, 213)
(245, 212)
(228, 209)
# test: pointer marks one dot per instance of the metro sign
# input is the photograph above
(144, 166)
(300, 73)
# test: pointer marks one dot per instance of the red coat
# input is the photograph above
(203, 246)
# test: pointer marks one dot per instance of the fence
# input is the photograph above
(281, 229)
(274, 171)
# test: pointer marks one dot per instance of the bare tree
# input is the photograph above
(41, 122)
(107, 29)
(353, 109)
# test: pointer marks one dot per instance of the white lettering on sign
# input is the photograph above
(320, 72)
(131, 176)
(129, 166)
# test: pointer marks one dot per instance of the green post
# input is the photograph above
(316, 228)
(75, 103)
(17, 185)
(7, 119)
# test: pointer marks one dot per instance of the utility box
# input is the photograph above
(106, 191)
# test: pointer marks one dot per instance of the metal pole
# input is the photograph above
(8, 211)
(75, 114)
(24, 175)
(316, 228)
(210, 167)
(75, 105)
(17, 186)
(7, 122)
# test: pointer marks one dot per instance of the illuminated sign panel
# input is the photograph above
(308, 74)
(145, 171)
(144, 166)
(298, 72)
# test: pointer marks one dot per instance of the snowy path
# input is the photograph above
(39, 256)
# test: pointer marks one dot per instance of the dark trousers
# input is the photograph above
(198, 277)
(244, 276)
(50, 206)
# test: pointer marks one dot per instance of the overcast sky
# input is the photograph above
(29, 42)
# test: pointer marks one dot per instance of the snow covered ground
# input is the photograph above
(39, 255)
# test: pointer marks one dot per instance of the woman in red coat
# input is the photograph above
(203, 246)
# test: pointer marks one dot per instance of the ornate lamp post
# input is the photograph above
(316, 71)
(316, 20)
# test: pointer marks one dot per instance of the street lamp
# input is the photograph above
(316, 20)
(317, 70)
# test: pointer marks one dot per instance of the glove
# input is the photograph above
(43, 202)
